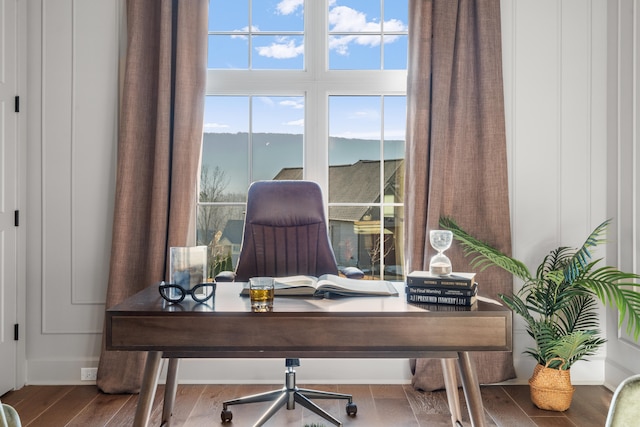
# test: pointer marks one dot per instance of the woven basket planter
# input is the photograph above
(550, 388)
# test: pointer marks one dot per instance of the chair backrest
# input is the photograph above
(285, 232)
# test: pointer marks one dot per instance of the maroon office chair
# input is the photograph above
(285, 234)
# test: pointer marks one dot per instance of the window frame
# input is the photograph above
(316, 83)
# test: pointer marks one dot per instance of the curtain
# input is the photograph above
(159, 143)
(456, 150)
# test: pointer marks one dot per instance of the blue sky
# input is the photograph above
(271, 37)
(351, 44)
(348, 48)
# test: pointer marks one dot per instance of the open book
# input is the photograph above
(329, 283)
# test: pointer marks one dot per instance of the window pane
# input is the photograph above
(355, 236)
(395, 52)
(225, 145)
(277, 143)
(278, 52)
(394, 12)
(354, 149)
(358, 36)
(234, 43)
(394, 144)
(394, 244)
(259, 134)
(354, 52)
(220, 228)
(277, 15)
(228, 52)
(228, 16)
(354, 16)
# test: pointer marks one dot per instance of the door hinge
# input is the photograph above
(16, 332)
(16, 218)
(17, 104)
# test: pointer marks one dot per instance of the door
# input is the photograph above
(623, 170)
(8, 192)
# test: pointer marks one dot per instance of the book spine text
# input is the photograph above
(440, 299)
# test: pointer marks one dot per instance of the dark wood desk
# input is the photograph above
(362, 327)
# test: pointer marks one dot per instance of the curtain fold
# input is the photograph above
(159, 145)
(456, 150)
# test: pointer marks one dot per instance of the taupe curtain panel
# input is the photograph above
(456, 149)
(158, 156)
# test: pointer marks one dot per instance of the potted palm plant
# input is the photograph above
(559, 306)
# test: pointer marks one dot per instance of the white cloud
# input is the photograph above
(266, 100)
(286, 7)
(284, 50)
(365, 114)
(346, 19)
(215, 126)
(254, 29)
(291, 103)
(299, 122)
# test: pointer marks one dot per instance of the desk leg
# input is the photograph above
(471, 388)
(170, 390)
(451, 385)
(148, 390)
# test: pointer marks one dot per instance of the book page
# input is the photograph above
(333, 284)
(294, 281)
(345, 286)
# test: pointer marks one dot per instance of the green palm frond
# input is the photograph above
(582, 257)
(545, 334)
(575, 346)
(559, 304)
(580, 314)
(486, 254)
(615, 288)
(555, 261)
(518, 306)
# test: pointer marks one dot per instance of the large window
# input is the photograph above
(308, 90)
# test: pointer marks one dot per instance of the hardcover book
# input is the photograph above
(329, 284)
(425, 278)
(447, 291)
(437, 299)
(444, 307)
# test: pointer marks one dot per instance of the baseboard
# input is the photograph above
(242, 371)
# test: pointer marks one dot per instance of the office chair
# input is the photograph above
(285, 234)
(624, 410)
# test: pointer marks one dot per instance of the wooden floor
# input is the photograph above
(378, 405)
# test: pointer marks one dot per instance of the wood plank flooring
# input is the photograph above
(378, 406)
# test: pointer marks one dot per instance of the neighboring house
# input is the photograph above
(354, 229)
(227, 242)
(354, 225)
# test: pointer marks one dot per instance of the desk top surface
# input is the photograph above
(304, 326)
(228, 301)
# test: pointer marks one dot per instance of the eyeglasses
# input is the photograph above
(175, 293)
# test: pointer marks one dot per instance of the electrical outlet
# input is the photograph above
(88, 374)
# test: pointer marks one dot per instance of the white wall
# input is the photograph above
(555, 89)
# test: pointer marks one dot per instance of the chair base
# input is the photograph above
(289, 395)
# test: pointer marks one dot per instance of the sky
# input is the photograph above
(229, 49)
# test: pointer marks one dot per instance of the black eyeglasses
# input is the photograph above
(175, 293)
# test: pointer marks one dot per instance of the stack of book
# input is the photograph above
(453, 289)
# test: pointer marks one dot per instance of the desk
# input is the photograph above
(353, 327)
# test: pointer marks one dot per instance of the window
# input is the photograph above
(308, 90)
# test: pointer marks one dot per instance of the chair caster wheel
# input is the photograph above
(352, 409)
(226, 415)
